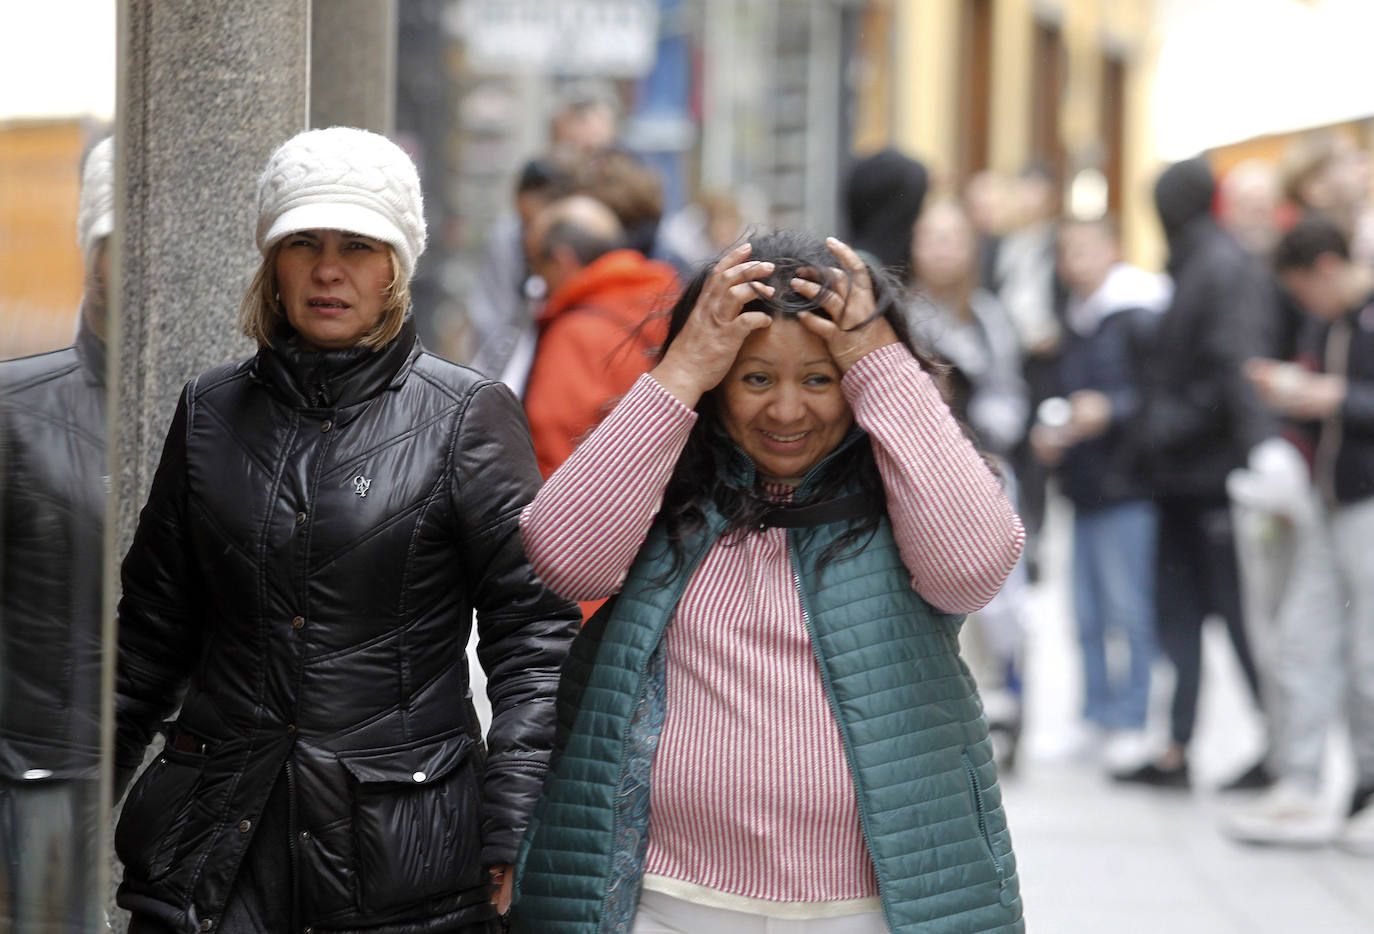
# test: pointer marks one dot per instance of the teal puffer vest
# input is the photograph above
(909, 715)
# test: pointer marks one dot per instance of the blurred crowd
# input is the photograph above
(1211, 426)
(1207, 423)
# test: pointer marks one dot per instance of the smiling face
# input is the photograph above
(333, 286)
(781, 401)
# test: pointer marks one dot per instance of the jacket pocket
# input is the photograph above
(156, 814)
(981, 814)
(416, 821)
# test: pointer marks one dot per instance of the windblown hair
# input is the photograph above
(699, 477)
(262, 317)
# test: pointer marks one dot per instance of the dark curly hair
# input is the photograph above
(700, 476)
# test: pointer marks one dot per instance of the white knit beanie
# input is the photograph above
(343, 179)
(95, 215)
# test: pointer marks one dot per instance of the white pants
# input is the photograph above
(663, 914)
(1325, 644)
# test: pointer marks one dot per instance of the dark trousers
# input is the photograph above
(1197, 575)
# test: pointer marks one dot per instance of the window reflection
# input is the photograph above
(52, 508)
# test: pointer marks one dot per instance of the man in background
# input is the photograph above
(599, 327)
(1325, 624)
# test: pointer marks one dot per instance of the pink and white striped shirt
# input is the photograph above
(753, 806)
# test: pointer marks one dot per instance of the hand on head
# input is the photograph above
(703, 352)
(853, 329)
(701, 355)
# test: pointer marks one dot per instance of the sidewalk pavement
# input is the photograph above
(1095, 858)
(1098, 857)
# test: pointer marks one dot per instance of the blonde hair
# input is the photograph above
(262, 317)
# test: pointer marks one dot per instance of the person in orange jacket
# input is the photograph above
(600, 327)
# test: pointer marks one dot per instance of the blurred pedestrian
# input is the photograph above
(599, 328)
(586, 115)
(967, 331)
(1326, 622)
(967, 328)
(499, 307)
(1326, 173)
(585, 120)
(1248, 207)
(707, 227)
(988, 197)
(1111, 316)
(1033, 295)
(52, 504)
(1199, 419)
(771, 716)
(634, 192)
(325, 519)
(883, 195)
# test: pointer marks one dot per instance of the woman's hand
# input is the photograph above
(849, 305)
(502, 885)
(705, 349)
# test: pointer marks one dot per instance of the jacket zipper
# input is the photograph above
(291, 832)
(864, 819)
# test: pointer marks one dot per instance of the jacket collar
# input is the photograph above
(335, 379)
(614, 271)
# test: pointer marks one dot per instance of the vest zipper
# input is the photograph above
(977, 789)
(845, 742)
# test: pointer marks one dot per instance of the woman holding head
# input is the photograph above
(325, 518)
(770, 719)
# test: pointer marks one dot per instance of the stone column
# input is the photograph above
(206, 92)
(353, 64)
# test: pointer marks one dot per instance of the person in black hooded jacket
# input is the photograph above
(325, 518)
(1199, 419)
(883, 196)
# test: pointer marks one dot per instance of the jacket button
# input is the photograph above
(245, 826)
(300, 518)
(305, 835)
(327, 425)
(419, 776)
(298, 622)
(291, 728)
(207, 923)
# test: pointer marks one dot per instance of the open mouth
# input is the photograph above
(784, 439)
(327, 303)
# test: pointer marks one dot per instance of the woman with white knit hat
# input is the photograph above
(325, 519)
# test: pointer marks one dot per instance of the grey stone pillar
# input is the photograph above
(206, 91)
(353, 64)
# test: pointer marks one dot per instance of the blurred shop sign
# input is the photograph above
(612, 38)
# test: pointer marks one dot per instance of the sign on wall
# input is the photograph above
(611, 38)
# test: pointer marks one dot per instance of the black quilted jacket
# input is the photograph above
(52, 444)
(319, 531)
